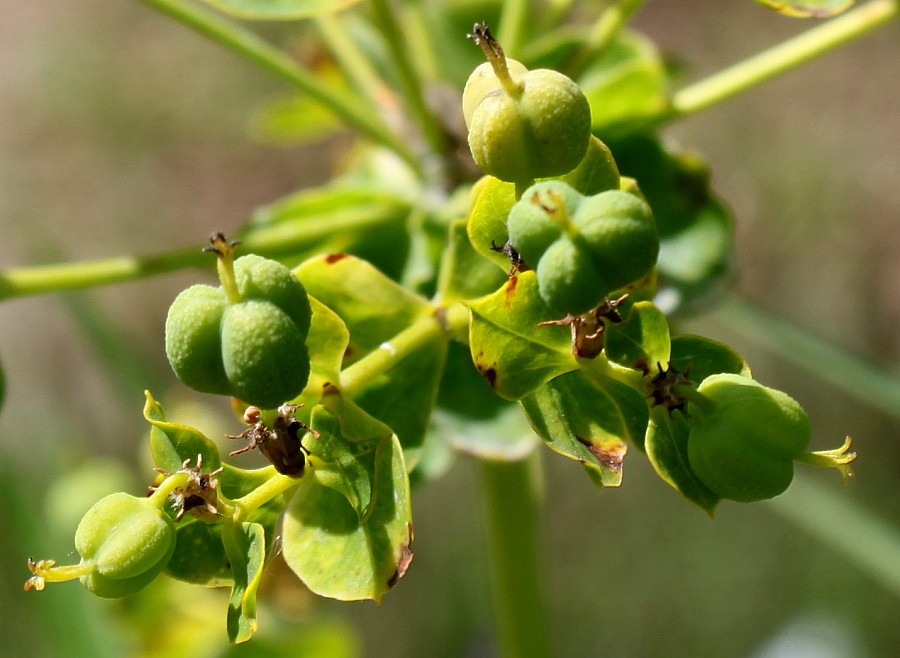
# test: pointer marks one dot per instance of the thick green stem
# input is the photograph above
(258, 51)
(511, 498)
(410, 82)
(279, 239)
(357, 376)
(783, 57)
(276, 485)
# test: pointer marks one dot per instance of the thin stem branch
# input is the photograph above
(410, 82)
(511, 499)
(607, 28)
(783, 57)
(851, 375)
(279, 239)
(249, 45)
(350, 58)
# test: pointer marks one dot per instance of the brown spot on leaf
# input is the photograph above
(330, 389)
(406, 556)
(491, 376)
(511, 290)
(611, 457)
(330, 259)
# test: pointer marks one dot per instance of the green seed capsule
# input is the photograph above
(619, 229)
(743, 446)
(532, 225)
(264, 353)
(128, 541)
(247, 341)
(582, 248)
(523, 124)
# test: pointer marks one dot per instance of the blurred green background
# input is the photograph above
(122, 132)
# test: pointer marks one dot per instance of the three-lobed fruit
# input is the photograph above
(742, 447)
(127, 540)
(536, 125)
(582, 248)
(253, 346)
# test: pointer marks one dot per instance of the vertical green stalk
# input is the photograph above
(512, 24)
(411, 84)
(511, 500)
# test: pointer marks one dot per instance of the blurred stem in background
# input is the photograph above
(511, 495)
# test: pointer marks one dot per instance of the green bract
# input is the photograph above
(250, 344)
(743, 446)
(582, 247)
(128, 541)
(537, 126)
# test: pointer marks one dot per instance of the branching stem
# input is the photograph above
(783, 57)
(250, 46)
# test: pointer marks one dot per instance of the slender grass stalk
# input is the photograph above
(411, 84)
(352, 61)
(280, 239)
(250, 46)
(511, 31)
(511, 499)
(782, 58)
(851, 375)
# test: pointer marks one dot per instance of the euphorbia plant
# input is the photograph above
(543, 277)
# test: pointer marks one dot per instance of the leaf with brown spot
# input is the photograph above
(340, 556)
(589, 422)
(510, 350)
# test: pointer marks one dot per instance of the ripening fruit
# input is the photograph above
(523, 124)
(127, 540)
(744, 445)
(582, 248)
(248, 342)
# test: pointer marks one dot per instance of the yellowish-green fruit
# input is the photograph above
(127, 540)
(264, 353)
(248, 342)
(742, 447)
(537, 125)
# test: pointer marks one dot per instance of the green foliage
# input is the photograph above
(424, 303)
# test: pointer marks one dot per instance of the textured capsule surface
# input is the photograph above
(128, 541)
(265, 356)
(531, 224)
(251, 346)
(541, 131)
